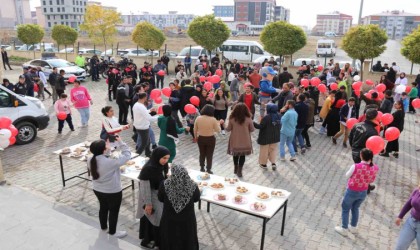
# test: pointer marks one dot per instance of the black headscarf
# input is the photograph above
(171, 125)
(153, 171)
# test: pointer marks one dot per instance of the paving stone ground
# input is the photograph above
(316, 180)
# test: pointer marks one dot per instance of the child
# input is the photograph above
(190, 118)
(63, 105)
(413, 95)
(405, 101)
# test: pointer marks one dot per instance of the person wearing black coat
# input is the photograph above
(175, 102)
(361, 132)
(285, 76)
(387, 103)
(302, 110)
(125, 91)
(20, 87)
(346, 112)
(114, 79)
(5, 59)
(398, 122)
(187, 91)
(269, 136)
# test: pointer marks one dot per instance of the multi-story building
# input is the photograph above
(333, 22)
(14, 12)
(90, 3)
(66, 12)
(258, 12)
(224, 11)
(281, 14)
(397, 24)
(170, 21)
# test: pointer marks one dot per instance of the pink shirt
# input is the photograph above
(362, 175)
(62, 106)
(80, 97)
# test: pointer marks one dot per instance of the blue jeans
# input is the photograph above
(298, 135)
(84, 115)
(409, 231)
(286, 140)
(351, 201)
(263, 100)
(152, 136)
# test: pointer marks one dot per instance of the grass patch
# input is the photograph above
(18, 59)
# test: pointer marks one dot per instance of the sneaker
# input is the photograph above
(341, 230)
(59, 132)
(120, 234)
(334, 141)
(223, 132)
(263, 166)
(282, 159)
(292, 158)
(202, 169)
(353, 230)
(273, 166)
(303, 151)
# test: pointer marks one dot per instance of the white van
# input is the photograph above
(195, 52)
(245, 51)
(27, 113)
(325, 47)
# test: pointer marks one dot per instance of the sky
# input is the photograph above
(303, 12)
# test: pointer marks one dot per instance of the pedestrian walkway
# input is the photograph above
(30, 222)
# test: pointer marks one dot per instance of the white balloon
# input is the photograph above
(400, 88)
(5, 133)
(356, 78)
(4, 143)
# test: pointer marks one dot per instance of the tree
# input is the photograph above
(148, 36)
(100, 24)
(208, 32)
(64, 35)
(281, 38)
(30, 34)
(411, 46)
(363, 42)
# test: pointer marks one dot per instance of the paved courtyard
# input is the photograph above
(316, 180)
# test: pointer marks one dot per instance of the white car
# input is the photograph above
(68, 50)
(48, 47)
(298, 62)
(356, 66)
(47, 65)
(90, 51)
(108, 52)
(261, 59)
(136, 52)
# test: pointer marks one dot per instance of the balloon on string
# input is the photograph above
(160, 110)
(202, 78)
(387, 119)
(333, 86)
(357, 93)
(381, 87)
(376, 144)
(351, 122)
(407, 89)
(219, 72)
(12, 140)
(315, 81)
(166, 91)
(61, 116)
(14, 130)
(320, 67)
(5, 122)
(195, 100)
(208, 86)
(36, 87)
(322, 88)
(369, 82)
(392, 133)
(379, 116)
(357, 85)
(161, 73)
(4, 143)
(356, 78)
(304, 83)
(416, 103)
(158, 100)
(5, 134)
(381, 95)
(72, 78)
(214, 79)
(189, 109)
(399, 89)
(155, 93)
(368, 95)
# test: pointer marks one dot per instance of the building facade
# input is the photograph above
(65, 12)
(281, 14)
(14, 12)
(336, 22)
(170, 21)
(397, 24)
(223, 11)
(258, 12)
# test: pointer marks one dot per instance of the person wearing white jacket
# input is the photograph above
(141, 123)
(402, 80)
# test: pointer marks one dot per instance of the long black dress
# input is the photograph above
(178, 230)
(398, 122)
(333, 121)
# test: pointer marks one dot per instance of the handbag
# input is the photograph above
(103, 134)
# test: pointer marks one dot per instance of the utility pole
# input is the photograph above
(360, 12)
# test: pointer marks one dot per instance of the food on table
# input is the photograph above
(66, 150)
(231, 180)
(277, 193)
(79, 150)
(129, 163)
(87, 143)
(239, 198)
(217, 185)
(122, 168)
(263, 195)
(221, 197)
(242, 190)
(258, 206)
(202, 184)
(205, 176)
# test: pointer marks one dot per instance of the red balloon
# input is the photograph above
(161, 73)
(376, 144)
(72, 78)
(333, 86)
(415, 103)
(357, 93)
(12, 140)
(371, 91)
(155, 93)
(379, 116)
(5, 122)
(315, 81)
(219, 72)
(214, 79)
(195, 100)
(380, 95)
(381, 87)
(208, 86)
(202, 78)
(304, 83)
(160, 110)
(369, 82)
(357, 85)
(322, 88)
(407, 89)
(387, 119)
(351, 122)
(392, 133)
(166, 91)
(189, 109)
(61, 116)
(158, 100)
(320, 67)
(211, 94)
(368, 95)
(36, 87)
(14, 130)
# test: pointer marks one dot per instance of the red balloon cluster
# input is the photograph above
(208, 86)
(155, 93)
(369, 82)
(387, 119)
(381, 87)
(376, 144)
(202, 78)
(72, 78)
(8, 132)
(160, 110)
(219, 72)
(320, 67)
(158, 100)
(322, 88)
(214, 79)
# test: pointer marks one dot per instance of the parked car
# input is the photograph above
(136, 52)
(298, 62)
(356, 66)
(49, 47)
(28, 114)
(89, 51)
(195, 52)
(325, 47)
(261, 59)
(48, 64)
(171, 54)
(68, 50)
(245, 51)
(109, 52)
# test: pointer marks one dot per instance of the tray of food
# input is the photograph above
(203, 177)
(220, 197)
(263, 196)
(239, 199)
(242, 190)
(65, 150)
(258, 206)
(217, 186)
(277, 193)
(231, 181)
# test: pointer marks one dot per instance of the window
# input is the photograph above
(48, 17)
(73, 2)
(49, 24)
(50, 2)
(234, 48)
(58, 2)
(45, 10)
(5, 99)
(61, 17)
(44, 3)
(67, 16)
(62, 2)
(256, 50)
(51, 10)
(74, 9)
(62, 22)
(58, 9)
(62, 8)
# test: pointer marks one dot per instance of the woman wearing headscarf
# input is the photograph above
(106, 180)
(269, 136)
(178, 226)
(149, 208)
(169, 131)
